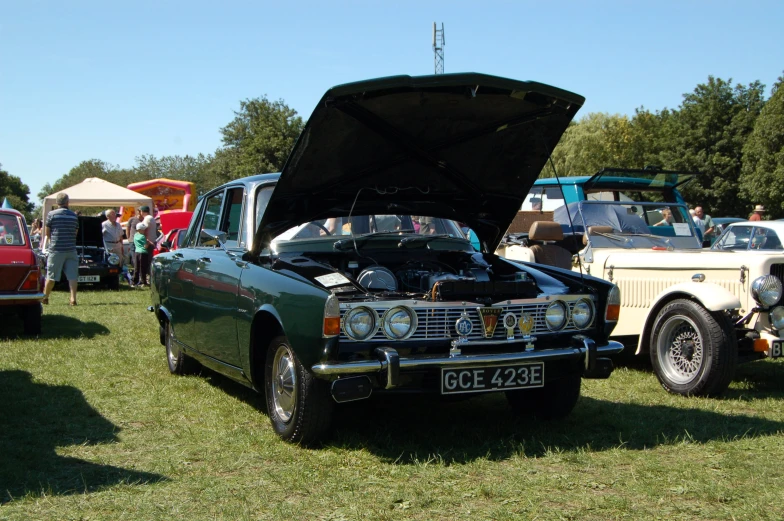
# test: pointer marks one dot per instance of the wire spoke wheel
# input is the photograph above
(680, 349)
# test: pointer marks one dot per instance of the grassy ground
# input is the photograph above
(92, 426)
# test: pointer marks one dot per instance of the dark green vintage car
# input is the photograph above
(347, 274)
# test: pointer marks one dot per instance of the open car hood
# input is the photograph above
(465, 147)
(90, 231)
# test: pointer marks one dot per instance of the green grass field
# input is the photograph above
(93, 426)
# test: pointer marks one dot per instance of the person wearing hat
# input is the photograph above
(757, 215)
(60, 231)
(142, 248)
(151, 231)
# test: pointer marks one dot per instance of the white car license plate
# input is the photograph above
(496, 378)
(776, 348)
(90, 278)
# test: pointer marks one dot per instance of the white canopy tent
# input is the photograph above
(94, 191)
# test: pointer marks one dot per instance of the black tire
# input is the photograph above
(113, 282)
(299, 405)
(693, 352)
(554, 401)
(178, 361)
(31, 319)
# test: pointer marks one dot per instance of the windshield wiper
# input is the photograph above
(345, 244)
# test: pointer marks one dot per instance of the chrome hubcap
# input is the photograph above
(680, 349)
(170, 349)
(284, 384)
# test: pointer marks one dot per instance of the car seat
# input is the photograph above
(550, 254)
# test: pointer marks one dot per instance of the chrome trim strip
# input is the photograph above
(23, 296)
(368, 366)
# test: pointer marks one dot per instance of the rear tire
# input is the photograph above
(299, 405)
(31, 319)
(554, 401)
(693, 351)
(179, 363)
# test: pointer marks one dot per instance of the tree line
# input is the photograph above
(732, 135)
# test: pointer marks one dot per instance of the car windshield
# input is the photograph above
(10, 231)
(748, 237)
(630, 225)
(362, 225)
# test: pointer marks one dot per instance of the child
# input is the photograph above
(142, 248)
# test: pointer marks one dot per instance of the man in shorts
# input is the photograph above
(62, 226)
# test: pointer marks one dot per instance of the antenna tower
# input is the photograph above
(438, 47)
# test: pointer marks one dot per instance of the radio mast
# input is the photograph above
(438, 48)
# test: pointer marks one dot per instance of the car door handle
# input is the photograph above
(178, 255)
(205, 259)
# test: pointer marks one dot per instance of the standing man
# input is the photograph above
(704, 223)
(60, 231)
(758, 211)
(152, 234)
(112, 233)
(130, 231)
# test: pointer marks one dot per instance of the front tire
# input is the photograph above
(113, 282)
(178, 361)
(299, 405)
(554, 401)
(31, 319)
(693, 351)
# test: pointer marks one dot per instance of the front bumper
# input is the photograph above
(390, 363)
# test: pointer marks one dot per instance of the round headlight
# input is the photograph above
(777, 317)
(582, 313)
(556, 315)
(113, 259)
(399, 323)
(360, 323)
(766, 290)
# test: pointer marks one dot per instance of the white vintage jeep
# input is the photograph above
(696, 312)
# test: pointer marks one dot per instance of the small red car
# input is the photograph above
(170, 241)
(21, 275)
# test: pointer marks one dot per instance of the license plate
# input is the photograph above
(496, 378)
(90, 278)
(776, 348)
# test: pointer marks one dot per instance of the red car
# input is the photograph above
(169, 242)
(21, 275)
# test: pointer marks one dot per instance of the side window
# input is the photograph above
(212, 217)
(765, 239)
(189, 240)
(233, 217)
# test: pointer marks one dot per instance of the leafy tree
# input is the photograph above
(706, 134)
(257, 140)
(17, 193)
(762, 177)
(85, 169)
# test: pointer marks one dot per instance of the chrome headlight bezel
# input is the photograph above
(776, 317)
(113, 259)
(390, 324)
(766, 290)
(590, 312)
(351, 323)
(554, 307)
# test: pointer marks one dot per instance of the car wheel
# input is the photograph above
(113, 282)
(554, 401)
(299, 405)
(31, 319)
(179, 362)
(693, 351)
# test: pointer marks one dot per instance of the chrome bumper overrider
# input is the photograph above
(390, 362)
(23, 296)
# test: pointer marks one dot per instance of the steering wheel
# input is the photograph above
(322, 227)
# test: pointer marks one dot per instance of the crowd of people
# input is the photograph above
(59, 234)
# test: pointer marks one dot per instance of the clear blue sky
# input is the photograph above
(116, 80)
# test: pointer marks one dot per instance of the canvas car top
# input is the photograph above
(465, 147)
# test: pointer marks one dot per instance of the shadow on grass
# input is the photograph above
(56, 326)
(38, 418)
(410, 430)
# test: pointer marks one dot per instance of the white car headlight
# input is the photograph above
(399, 323)
(113, 259)
(766, 290)
(777, 317)
(582, 313)
(360, 323)
(556, 315)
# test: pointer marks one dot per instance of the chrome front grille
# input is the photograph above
(777, 270)
(438, 323)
